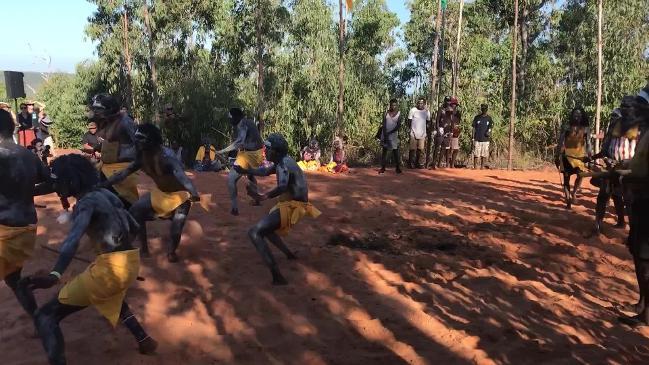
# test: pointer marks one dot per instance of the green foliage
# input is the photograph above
(206, 58)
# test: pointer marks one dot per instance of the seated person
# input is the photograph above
(206, 161)
(338, 163)
(310, 156)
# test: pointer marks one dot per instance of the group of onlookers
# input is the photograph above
(443, 136)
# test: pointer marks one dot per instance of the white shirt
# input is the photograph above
(418, 125)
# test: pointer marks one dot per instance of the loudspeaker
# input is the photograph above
(14, 84)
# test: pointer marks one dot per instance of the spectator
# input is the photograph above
(418, 118)
(390, 136)
(206, 158)
(44, 125)
(43, 152)
(26, 132)
(310, 156)
(91, 142)
(338, 163)
(453, 146)
(178, 151)
(7, 107)
(482, 125)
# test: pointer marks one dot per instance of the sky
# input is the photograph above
(56, 43)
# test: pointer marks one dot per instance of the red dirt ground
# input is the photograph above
(449, 267)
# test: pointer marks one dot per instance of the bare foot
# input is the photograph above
(148, 346)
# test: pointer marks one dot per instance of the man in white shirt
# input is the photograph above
(418, 118)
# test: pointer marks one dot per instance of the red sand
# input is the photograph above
(473, 267)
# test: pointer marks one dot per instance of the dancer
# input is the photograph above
(21, 170)
(617, 147)
(173, 194)
(116, 133)
(638, 184)
(293, 196)
(249, 144)
(101, 215)
(572, 150)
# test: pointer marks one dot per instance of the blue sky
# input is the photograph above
(57, 42)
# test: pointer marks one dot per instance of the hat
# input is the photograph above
(453, 101)
(4, 105)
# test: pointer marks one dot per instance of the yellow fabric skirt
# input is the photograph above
(291, 211)
(640, 162)
(164, 204)
(127, 189)
(312, 165)
(104, 283)
(249, 159)
(16, 246)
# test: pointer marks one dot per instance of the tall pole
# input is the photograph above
(598, 112)
(260, 68)
(456, 63)
(341, 69)
(512, 105)
(441, 64)
(434, 91)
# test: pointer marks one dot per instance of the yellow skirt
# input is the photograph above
(576, 162)
(312, 165)
(291, 211)
(164, 204)
(249, 159)
(127, 189)
(16, 246)
(104, 283)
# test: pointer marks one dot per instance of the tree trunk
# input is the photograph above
(153, 75)
(512, 105)
(260, 68)
(433, 78)
(598, 111)
(456, 57)
(127, 60)
(341, 70)
(525, 45)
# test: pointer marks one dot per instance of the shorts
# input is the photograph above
(417, 143)
(480, 149)
(453, 144)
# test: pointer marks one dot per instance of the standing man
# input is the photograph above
(418, 118)
(482, 125)
(390, 136)
(26, 133)
(454, 133)
(249, 144)
(116, 133)
(21, 171)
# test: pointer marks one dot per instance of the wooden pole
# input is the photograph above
(456, 57)
(432, 104)
(598, 112)
(260, 68)
(152, 66)
(512, 105)
(341, 70)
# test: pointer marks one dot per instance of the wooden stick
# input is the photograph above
(52, 249)
(604, 173)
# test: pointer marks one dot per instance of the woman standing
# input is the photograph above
(390, 136)
(573, 150)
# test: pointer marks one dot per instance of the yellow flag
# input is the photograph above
(349, 4)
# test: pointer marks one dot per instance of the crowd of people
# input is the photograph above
(112, 212)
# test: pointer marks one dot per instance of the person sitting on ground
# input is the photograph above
(293, 203)
(206, 158)
(338, 162)
(310, 156)
(390, 136)
(101, 215)
(572, 150)
(482, 125)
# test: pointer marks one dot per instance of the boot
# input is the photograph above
(411, 156)
(397, 160)
(418, 161)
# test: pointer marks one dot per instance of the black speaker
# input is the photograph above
(14, 84)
